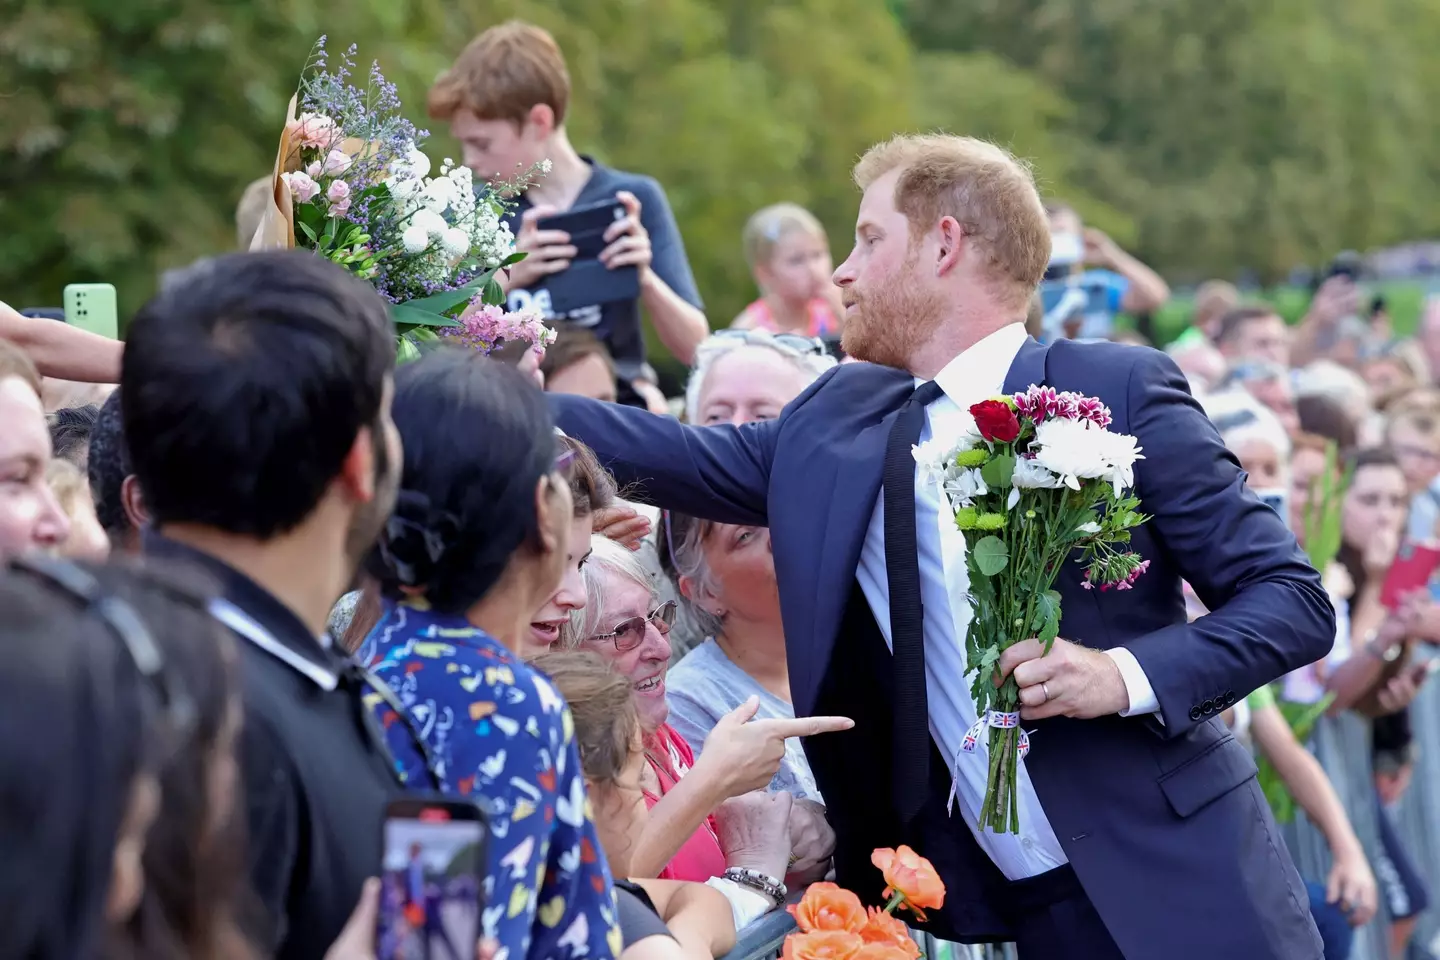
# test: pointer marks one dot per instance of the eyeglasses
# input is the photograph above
(805, 346)
(121, 619)
(628, 634)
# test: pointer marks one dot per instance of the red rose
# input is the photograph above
(996, 420)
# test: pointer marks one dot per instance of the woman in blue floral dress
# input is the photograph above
(476, 544)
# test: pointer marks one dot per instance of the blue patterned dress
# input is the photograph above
(500, 734)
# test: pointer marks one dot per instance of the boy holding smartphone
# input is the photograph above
(505, 99)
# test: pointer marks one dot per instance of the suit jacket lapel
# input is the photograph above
(1027, 368)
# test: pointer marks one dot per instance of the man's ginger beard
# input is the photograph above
(892, 322)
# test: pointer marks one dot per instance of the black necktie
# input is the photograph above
(911, 761)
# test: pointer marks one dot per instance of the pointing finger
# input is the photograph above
(805, 726)
(745, 711)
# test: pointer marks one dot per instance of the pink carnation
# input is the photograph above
(316, 130)
(301, 186)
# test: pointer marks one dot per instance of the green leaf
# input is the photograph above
(493, 294)
(989, 658)
(998, 472)
(408, 313)
(990, 555)
(406, 351)
(306, 229)
(514, 258)
(449, 300)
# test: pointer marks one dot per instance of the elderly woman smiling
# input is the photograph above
(691, 832)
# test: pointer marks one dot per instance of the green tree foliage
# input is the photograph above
(1236, 134)
(1211, 136)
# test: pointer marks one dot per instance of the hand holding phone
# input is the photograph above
(1410, 571)
(432, 879)
(547, 250)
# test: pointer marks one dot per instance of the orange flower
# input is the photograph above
(883, 951)
(884, 929)
(911, 876)
(822, 945)
(828, 907)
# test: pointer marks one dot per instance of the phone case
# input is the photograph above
(587, 281)
(92, 307)
(1414, 564)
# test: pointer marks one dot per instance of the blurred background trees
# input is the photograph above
(1211, 137)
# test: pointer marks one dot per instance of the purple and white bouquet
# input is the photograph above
(352, 184)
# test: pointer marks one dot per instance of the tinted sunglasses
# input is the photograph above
(805, 346)
(629, 634)
(122, 620)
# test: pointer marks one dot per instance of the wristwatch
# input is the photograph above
(759, 882)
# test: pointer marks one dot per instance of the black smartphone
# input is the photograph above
(586, 226)
(588, 282)
(432, 879)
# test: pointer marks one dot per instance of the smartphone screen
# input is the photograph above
(431, 881)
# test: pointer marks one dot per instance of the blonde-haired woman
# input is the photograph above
(789, 257)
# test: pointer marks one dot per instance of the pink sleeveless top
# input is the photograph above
(822, 322)
(700, 858)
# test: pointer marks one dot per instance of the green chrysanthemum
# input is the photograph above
(990, 521)
(966, 517)
(972, 458)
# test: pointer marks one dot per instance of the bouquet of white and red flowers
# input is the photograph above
(1034, 478)
(351, 183)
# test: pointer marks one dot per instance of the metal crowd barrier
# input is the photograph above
(1342, 745)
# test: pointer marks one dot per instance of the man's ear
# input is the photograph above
(357, 470)
(133, 502)
(541, 120)
(952, 245)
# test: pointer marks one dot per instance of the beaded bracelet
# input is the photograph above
(759, 882)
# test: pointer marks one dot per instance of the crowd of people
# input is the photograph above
(272, 582)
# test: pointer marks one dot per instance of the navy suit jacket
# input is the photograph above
(1162, 820)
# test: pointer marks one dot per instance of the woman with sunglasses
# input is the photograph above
(706, 817)
(477, 543)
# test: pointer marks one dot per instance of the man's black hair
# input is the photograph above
(244, 385)
(109, 465)
(70, 432)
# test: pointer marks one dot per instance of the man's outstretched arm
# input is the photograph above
(721, 473)
(62, 351)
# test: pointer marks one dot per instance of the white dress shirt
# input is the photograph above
(975, 375)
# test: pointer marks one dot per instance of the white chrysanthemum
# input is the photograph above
(1070, 449)
(1119, 451)
(415, 239)
(404, 190)
(431, 222)
(932, 456)
(1031, 474)
(964, 485)
(456, 243)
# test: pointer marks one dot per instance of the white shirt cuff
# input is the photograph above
(746, 906)
(1137, 685)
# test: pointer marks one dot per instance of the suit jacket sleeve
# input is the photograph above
(721, 472)
(1269, 614)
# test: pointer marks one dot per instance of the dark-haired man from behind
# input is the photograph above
(256, 408)
(113, 485)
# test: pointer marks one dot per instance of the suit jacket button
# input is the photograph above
(1208, 707)
(1195, 713)
(1230, 698)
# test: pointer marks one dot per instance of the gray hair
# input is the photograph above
(715, 346)
(685, 552)
(606, 557)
